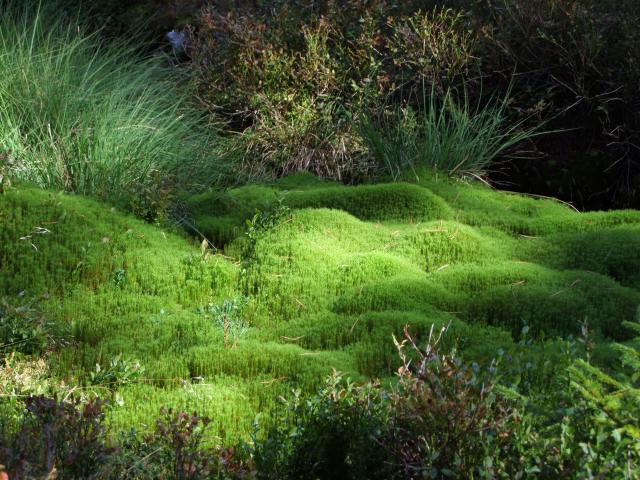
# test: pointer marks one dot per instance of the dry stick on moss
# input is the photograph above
(225, 329)
(141, 461)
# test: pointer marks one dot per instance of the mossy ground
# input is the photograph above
(328, 284)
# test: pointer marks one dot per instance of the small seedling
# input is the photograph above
(120, 371)
(229, 316)
(119, 277)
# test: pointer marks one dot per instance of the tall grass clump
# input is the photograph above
(446, 133)
(85, 116)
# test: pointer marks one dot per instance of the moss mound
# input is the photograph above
(221, 215)
(54, 243)
(327, 284)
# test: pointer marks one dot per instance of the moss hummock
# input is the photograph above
(328, 284)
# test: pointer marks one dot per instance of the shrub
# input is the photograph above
(601, 430)
(292, 76)
(64, 439)
(447, 420)
(20, 377)
(334, 434)
(443, 419)
(178, 448)
(67, 439)
(88, 117)
(577, 61)
(150, 200)
(579, 418)
(431, 46)
(256, 228)
(120, 371)
(181, 447)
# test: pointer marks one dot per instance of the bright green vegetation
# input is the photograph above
(281, 285)
(89, 117)
(329, 273)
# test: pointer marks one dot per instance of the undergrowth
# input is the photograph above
(293, 76)
(86, 116)
(445, 133)
(320, 278)
(443, 418)
(106, 320)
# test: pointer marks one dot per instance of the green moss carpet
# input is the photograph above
(330, 273)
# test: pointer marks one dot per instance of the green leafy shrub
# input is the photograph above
(447, 420)
(263, 221)
(292, 76)
(178, 448)
(433, 46)
(150, 200)
(20, 377)
(603, 427)
(442, 420)
(579, 406)
(120, 371)
(334, 434)
(68, 439)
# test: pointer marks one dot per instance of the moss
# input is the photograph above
(437, 245)
(383, 202)
(232, 403)
(51, 243)
(611, 251)
(476, 204)
(271, 359)
(221, 215)
(551, 302)
(329, 284)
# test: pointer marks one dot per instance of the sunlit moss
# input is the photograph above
(329, 284)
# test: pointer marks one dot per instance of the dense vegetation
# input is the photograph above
(292, 76)
(277, 256)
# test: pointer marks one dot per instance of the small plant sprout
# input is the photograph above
(229, 316)
(120, 371)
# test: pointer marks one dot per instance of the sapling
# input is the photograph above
(229, 316)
